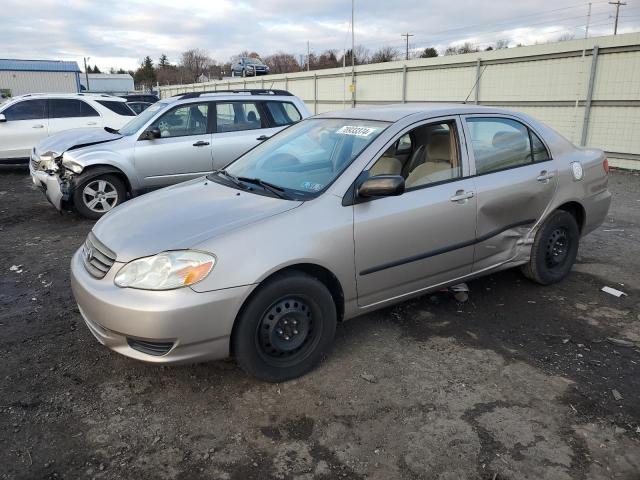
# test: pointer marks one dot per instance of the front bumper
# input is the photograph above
(50, 185)
(194, 326)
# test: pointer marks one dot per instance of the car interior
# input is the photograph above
(234, 117)
(425, 155)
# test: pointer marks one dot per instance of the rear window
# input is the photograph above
(283, 113)
(70, 108)
(121, 108)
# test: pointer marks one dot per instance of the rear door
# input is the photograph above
(182, 152)
(515, 178)
(68, 113)
(26, 124)
(240, 126)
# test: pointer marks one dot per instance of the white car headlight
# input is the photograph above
(72, 165)
(166, 271)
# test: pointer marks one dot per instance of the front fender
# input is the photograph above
(103, 161)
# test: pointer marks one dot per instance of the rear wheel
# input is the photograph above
(554, 249)
(95, 196)
(285, 329)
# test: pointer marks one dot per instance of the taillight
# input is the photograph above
(605, 165)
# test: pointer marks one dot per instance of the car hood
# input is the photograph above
(75, 138)
(182, 216)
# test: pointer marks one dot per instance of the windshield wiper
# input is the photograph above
(232, 178)
(112, 130)
(275, 189)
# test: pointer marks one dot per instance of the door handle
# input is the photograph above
(92, 123)
(461, 196)
(545, 176)
(263, 137)
(201, 143)
(38, 126)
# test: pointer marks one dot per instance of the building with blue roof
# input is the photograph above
(18, 77)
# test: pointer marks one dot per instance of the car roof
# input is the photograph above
(393, 113)
(245, 94)
(88, 96)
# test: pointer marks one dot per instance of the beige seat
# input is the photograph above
(438, 165)
(386, 166)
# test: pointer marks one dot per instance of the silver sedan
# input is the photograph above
(337, 215)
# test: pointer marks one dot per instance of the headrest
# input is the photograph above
(439, 148)
(251, 117)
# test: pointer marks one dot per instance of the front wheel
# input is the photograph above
(554, 249)
(285, 329)
(97, 195)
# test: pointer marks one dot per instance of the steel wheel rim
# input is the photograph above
(288, 330)
(100, 196)
(557, 250)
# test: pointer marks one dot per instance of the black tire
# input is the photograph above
(554, 249)
(114, 192)
(285, 329)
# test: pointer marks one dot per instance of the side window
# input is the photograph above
(237, 116)
(182, 121)
(425, 155)
(121, 108)
(26, 110)
(499, 143)
(283, 113)
(538, 150)
(68, 108)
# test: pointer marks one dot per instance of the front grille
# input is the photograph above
(97, 258)
(150, 348)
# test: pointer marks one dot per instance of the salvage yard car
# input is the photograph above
(27, 119)
(337, 215)
(173, 140)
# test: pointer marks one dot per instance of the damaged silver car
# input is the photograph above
(173, 140)
(338, 215)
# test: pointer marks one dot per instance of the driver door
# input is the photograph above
(26, 124)
(183, 150)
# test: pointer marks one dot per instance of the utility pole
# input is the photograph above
(86, 73)
(407, 35)
(586, 32)
(618, 4)
(308, 57)
(353, 55)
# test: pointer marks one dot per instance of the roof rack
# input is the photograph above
(251, 91)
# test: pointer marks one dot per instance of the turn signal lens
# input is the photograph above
(605, 165)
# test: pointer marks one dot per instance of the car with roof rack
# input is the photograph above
(27, 119)
(173, 140)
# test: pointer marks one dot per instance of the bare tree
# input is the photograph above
(385, 54)
(362, 56)
(566, 37)
(464, 48)
(282, 63)
(194, 63)
(502, 44)
(327, 59)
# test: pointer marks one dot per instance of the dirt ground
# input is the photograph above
(520, 382)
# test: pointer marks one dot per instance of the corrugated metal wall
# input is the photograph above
(586, 89)
(21, 82)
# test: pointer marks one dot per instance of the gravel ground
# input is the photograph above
(520, 382)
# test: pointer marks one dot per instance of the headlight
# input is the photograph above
(166, 271)
(72, 165)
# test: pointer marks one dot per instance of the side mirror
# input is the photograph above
(2, 118)
(151, 134)
(382, 186)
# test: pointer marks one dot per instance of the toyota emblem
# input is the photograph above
(88, 254)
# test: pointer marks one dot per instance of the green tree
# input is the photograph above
(146, 74)
(163, 61)
(429, 53)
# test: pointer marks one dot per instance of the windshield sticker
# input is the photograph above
(313, 187)
(357, 131)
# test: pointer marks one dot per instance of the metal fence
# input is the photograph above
(588, 90)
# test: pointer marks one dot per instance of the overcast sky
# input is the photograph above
(119, 33)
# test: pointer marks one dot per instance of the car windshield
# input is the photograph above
(138, 122)
(307, 157)
(254, 61)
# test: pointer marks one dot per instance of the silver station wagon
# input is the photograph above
(335, 216)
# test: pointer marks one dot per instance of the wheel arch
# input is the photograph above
(322, 274)
(577, 210)
(96, 170)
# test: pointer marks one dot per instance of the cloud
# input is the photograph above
(119, 33)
